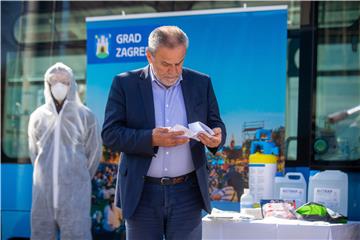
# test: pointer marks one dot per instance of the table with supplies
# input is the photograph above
(227, 227)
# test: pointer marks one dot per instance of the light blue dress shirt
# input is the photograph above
(170, 110)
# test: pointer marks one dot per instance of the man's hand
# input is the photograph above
(212, 141)
(163, 138)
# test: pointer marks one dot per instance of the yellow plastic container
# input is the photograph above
(262, 170)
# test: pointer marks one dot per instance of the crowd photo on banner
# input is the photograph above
(107, 220)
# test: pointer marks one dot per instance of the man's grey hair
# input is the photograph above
(167, 36)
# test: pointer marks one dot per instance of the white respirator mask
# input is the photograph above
(59, 91)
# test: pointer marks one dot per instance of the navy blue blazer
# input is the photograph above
(129, 121)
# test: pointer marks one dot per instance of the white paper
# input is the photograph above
(194, 129)
(217, 213)
(199, 127)
(187, 132)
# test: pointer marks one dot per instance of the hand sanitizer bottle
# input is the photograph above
(246, 201)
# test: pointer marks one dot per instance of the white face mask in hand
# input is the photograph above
(59, 91)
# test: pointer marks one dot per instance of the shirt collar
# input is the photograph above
(155, 79)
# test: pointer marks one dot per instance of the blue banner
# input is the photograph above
(244, 53)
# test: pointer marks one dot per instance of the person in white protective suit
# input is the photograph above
(65, 150)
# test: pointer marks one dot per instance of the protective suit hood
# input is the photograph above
(59, 72)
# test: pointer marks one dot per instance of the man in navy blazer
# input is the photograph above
(163, 176)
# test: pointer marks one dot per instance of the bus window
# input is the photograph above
(337, 121)
(25, 92)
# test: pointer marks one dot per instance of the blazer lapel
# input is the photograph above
(187, 94)
(147, 96)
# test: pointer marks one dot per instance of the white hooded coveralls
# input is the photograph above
(65, 150)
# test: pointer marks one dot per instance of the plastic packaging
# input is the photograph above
(291, 187)
(279, 210)
(316, 212)
(330, 188)
(246, 200)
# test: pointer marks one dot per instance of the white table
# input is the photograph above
(278, 229)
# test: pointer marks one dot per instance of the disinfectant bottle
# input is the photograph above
(246, 200)
(291, 187)
(330, 188)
